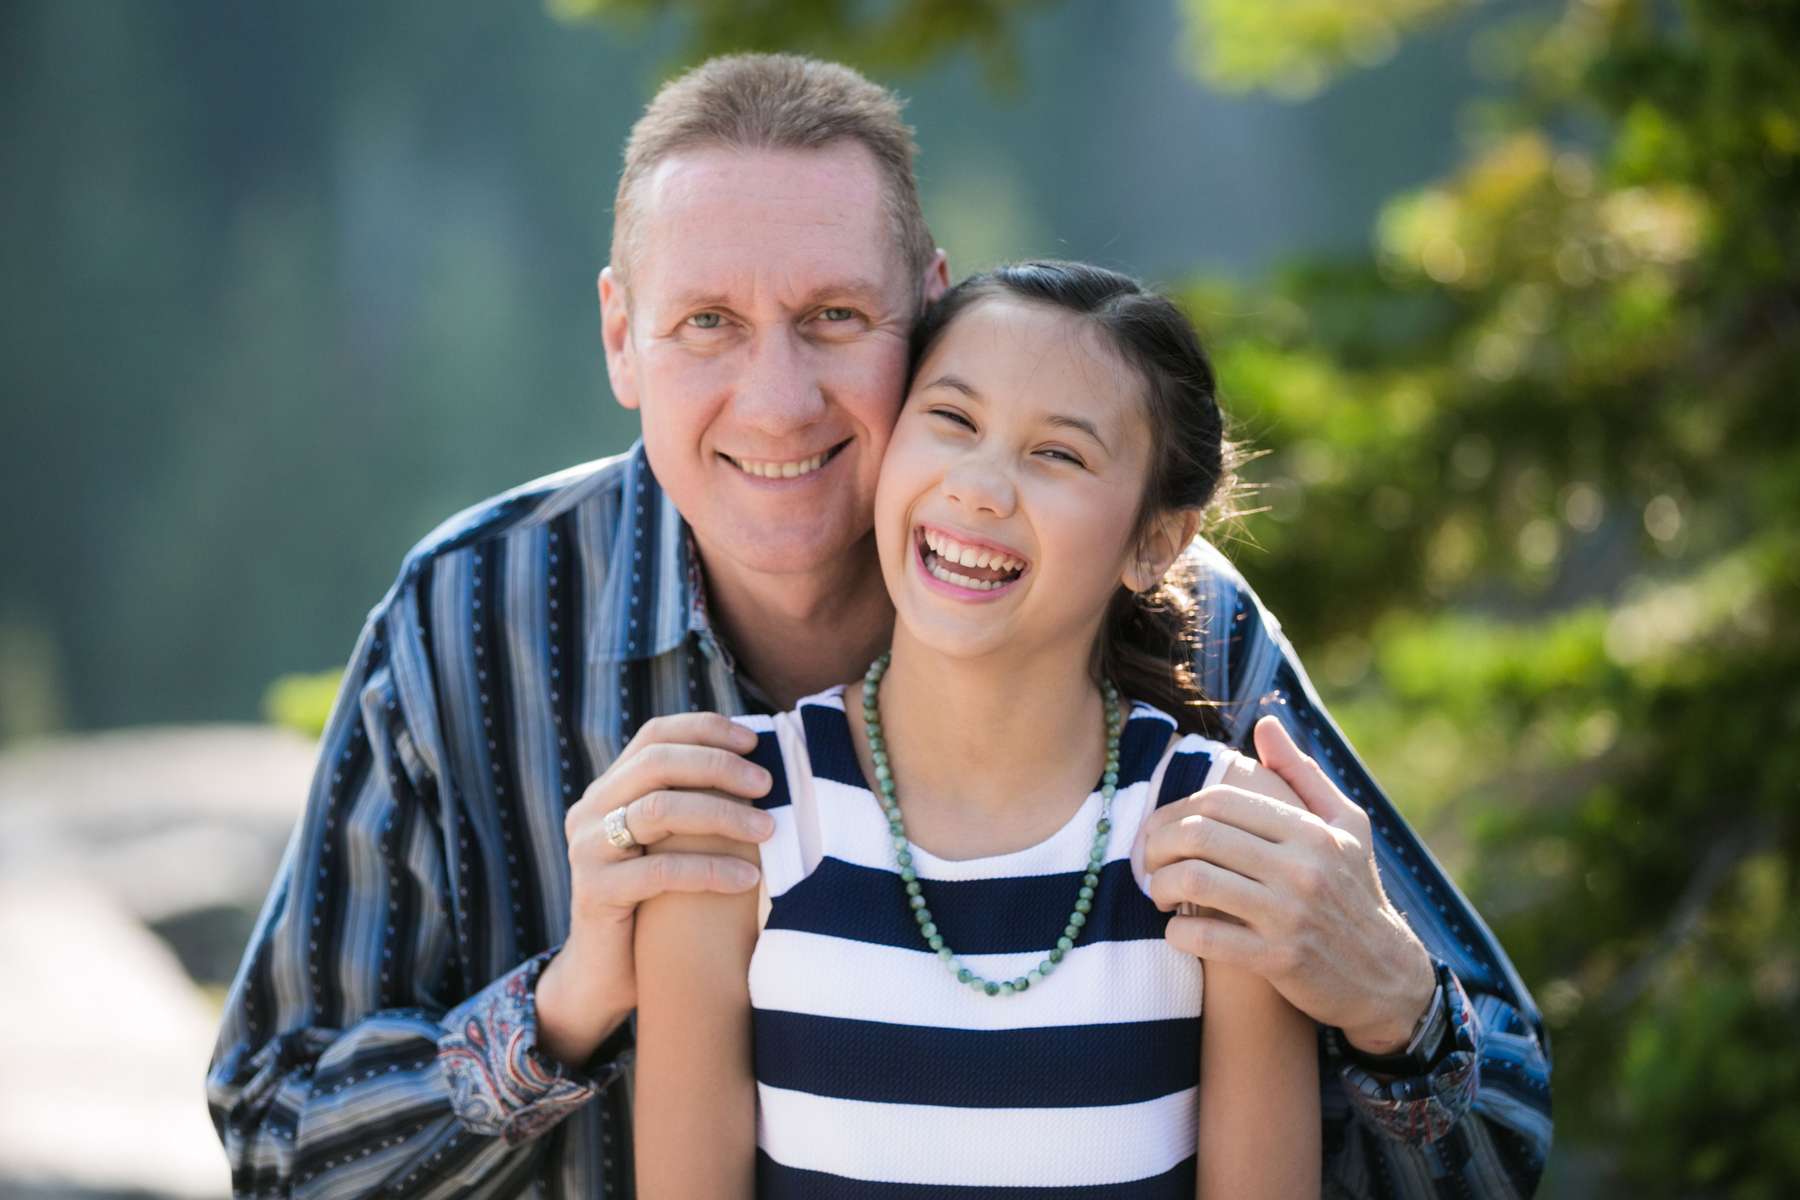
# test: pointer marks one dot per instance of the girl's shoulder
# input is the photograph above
(1188, 762)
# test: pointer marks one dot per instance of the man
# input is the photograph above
(436, 999)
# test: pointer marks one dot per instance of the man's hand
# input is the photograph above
(678, 776)
(1286, 863)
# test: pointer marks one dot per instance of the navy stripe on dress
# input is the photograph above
(995, 1068)
(1010, 915)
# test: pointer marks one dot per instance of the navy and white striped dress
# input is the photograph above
(879, 1075)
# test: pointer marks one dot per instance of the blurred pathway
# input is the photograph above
(131, 868)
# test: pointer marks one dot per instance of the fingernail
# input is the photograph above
(762, 824)
(744, 875)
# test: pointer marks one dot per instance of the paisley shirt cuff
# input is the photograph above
(1421, 1108)
(500, 1085)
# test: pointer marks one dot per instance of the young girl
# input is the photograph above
(953, 980)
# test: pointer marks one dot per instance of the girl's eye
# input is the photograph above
(705, 320)
(1063, 456)
(951, 414)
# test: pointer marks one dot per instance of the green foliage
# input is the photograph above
(1530, 511)
(897, 36)
(302, 702)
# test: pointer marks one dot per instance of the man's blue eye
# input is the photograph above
(705, 320)
(838, 314)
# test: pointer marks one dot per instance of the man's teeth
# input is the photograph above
(781, 470)
(952, 551)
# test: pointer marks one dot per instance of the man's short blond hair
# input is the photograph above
(775, 102)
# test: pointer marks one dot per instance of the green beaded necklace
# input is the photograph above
(1084, 901)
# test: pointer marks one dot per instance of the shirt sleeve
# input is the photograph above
(351, 1059)
(1477, 1120)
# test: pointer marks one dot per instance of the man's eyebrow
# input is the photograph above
(867, 290)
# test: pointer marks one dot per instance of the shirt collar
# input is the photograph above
(649, 604)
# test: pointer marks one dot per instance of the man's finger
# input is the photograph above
(1252, 812)
(657, 815)
(665, 766)
(695, 729)
(1214, 841)
(629, 883)
(1193, 882)
(1278, 752)
(1218, 939)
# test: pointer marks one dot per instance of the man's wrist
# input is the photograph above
(1426, 1042)
(574, 1017)
(1410, 1011)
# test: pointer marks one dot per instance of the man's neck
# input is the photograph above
(797, 634)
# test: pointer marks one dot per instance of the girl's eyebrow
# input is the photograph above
(957, 383)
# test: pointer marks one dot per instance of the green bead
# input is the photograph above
(1036, 973)
(899, 843)
(964, 975)
(929, 930)
(880, 757)
(1006, 989)
(1047, 966)
(908, 874)
(896, 829)
(1056, 955)
(883, 774)
(904, 858)
(991, 988)
(1077, 919)
(916, 901)
(1090, 880)
(944, 954)
(912, 887)
(922, 914)
(1103, 828)
(1071, 931)
(1065, 944)
(1083, 907)
(933, 940)
(1086, 892)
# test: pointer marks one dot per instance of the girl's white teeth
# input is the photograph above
(939, 571)
(953, 551)
(780, 470)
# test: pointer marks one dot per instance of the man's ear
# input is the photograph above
(615, 336)
(937, 276)
(1168, 535)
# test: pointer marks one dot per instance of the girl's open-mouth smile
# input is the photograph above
(964, 568)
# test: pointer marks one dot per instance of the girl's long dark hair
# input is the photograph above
(1148, 639)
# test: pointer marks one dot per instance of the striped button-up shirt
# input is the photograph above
(380, 1037)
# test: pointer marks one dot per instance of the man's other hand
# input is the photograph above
(1286, 864)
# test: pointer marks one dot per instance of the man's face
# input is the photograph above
(761, 335)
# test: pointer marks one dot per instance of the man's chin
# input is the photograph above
(781, 551)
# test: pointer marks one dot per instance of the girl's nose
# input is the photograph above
(981, 485)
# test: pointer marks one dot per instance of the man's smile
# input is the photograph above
(794, 468)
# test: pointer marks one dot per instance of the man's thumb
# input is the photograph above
(1278, 752)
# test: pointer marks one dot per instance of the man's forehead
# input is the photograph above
(793, 220)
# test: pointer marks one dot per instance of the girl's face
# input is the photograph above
(1007, 499)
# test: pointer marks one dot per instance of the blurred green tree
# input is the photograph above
(1532, 498)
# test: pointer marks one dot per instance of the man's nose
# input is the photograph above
(980, 484)
(779, 393)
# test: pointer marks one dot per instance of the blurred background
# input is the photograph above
(1507, 294)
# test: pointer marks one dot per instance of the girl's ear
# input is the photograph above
(1168, 535)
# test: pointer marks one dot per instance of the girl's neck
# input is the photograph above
(986, 737)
